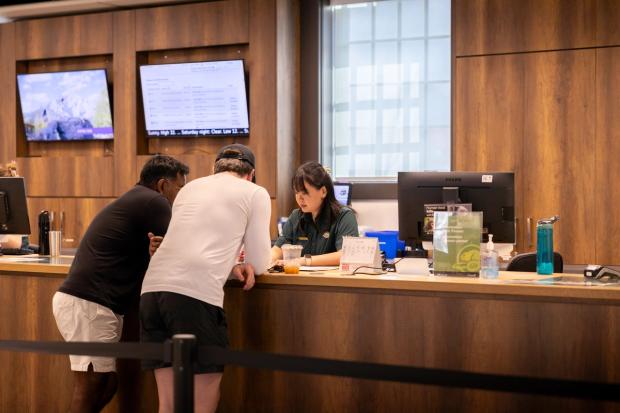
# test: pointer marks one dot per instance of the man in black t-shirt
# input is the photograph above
(107, 272)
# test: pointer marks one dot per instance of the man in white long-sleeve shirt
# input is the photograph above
(183, 289)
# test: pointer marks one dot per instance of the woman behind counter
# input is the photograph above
(320, 222)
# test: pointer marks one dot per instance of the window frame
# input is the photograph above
(314, 31)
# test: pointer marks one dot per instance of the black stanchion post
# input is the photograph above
(183, 355)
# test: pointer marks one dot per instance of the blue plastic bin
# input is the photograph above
(388, 242)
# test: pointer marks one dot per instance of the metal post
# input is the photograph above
(183, 355)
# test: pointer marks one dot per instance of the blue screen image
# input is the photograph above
(65, 106)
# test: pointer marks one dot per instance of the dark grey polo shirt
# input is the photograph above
(318, 238)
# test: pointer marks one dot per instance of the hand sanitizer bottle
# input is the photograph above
(489, 265)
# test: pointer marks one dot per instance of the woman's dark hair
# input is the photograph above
(314, 174)
(161, 166)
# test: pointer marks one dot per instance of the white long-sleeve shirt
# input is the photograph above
(212, 217)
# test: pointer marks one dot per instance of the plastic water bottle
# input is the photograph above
(544, 245)
(489, 265)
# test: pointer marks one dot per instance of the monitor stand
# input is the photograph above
(417, 251)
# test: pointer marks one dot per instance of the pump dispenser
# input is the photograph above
(489, 265)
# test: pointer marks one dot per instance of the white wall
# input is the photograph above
(378, 215)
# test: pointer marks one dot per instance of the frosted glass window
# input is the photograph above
(342, 125)
(364, 93)
(360, 54)
(413, 18)
(341, 57)
(386, 13)
(438, 108)
(392, 125)
(438, 25)
(414, 52)
(414, 123)
(343, 167)
(341, 85)
(414, 161)
(437, 138)
(365, 127)
(364, 86)
(390, 163)
(360, 21)
(364, 74)
(365, 165)
(386, 53)
(390, 78)
(388, 67)
(438, 60)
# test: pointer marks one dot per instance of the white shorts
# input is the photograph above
(82, 320)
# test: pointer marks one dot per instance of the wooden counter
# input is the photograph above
(522, 284)
(502, 326)
(34, 264)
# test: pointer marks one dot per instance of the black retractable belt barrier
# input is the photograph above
(182, 352)
(438, 377)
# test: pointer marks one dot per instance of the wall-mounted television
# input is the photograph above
(65, 106)
(195, 99)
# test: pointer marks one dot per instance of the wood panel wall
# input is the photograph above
(534, 93)
(606, 221)
(75, 176)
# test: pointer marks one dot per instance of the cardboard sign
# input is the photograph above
(361, 254)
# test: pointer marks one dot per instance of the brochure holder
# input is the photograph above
(456, 243)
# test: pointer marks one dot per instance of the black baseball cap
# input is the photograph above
(237, 151)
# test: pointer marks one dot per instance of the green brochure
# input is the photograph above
(456, 243)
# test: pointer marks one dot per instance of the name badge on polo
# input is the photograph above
(326, 235)
(302, 238)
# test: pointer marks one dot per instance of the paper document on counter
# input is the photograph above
(318, 268)
(22, 258)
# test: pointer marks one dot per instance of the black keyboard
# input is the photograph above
(15, 251)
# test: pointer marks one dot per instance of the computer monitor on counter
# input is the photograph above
(422, 193)
(13, 206)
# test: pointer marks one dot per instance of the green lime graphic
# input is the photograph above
(468, 258)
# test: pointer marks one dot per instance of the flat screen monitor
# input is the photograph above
(343, 193)
(65, 106)
(422, 193)
(13, 207)
(195, 99)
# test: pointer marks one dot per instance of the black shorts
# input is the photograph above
(164, 314)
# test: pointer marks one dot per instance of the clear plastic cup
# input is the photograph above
(290, 256)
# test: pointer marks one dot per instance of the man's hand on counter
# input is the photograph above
(245, 274)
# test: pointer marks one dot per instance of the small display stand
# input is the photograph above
(360, 255)
(456, 243)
